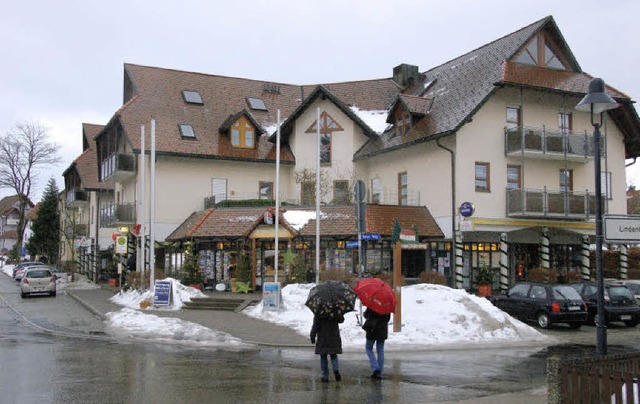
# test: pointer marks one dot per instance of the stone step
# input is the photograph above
(213, 304)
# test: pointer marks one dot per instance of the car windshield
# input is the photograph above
(619, 292)
(38, 273)
(565, 292)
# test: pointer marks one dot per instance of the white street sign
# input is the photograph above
(621, 229)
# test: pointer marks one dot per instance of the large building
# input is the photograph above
(494, 131)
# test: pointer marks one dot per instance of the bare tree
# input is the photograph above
(24, 150)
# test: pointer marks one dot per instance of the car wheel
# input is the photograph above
(575, 326)
(53, 294)
(543, 320)
(23, 295)
(631, 323)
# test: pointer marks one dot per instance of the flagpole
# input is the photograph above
(277, 210)
(318, 200)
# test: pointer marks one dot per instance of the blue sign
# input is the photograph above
(271, 296)
(351, 244)
(370, 237)
(466, 209)
(162, 295)
(23, 251)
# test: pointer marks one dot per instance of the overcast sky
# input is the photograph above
(62, 61)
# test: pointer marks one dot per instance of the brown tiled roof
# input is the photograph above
(335, 221)
(86, 165)
(7, 204)
(9, 234)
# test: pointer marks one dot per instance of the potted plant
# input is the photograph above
(484, 280)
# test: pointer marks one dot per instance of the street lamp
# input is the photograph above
(596, 102)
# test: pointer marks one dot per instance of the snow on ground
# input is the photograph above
(432, 315)
(180, 294)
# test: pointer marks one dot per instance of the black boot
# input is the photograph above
(338, 377)
(376, 375)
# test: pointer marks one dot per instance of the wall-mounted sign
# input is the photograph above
(407, 236)
(466, 209)
(466, 225)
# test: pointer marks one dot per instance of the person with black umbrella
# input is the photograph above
(325, 334)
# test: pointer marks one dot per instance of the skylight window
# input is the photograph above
(192, 97)
(187, 131)
(256, 104)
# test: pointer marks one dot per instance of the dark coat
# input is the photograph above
(376, 325)
(326, 333)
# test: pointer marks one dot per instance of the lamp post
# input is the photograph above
(596, 102)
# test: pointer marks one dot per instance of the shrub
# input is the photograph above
(433, 277)
(572, 277)
(337, 274)
(543, 275)
(244, 268)
(485, 275)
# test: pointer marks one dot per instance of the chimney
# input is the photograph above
(404, 74)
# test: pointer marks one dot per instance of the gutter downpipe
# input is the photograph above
(453, 212)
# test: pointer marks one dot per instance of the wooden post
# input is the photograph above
(397, 285)
(253, 263)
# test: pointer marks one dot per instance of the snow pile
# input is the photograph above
(431, 315)
(179, 294)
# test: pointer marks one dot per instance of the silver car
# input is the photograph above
(37, 280)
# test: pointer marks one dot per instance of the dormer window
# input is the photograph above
(243, 134)
(539, 53)
(187, 131)
(257, 104)
(402, 121)
(192, 97)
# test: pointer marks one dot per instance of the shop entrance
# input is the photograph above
(526, 257)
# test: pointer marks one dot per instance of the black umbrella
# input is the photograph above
(331, 299)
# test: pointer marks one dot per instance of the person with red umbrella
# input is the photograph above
(379, 298)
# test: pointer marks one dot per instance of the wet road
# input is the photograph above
(43, 368)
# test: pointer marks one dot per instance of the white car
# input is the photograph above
(37, 280)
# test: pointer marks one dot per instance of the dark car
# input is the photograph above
(619, 303)
(23, 265)
(546, 304)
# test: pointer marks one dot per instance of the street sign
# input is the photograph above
(121, 245)
(621, 229)
(370, 237)
(162, 294)
(23, 251)
(351, 244)
(466, 209)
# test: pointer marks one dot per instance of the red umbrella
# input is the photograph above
(377, 295)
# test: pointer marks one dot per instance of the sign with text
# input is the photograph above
(162, 294)
(351, 244)
(370, 237)
(621, 229)
(271, 296)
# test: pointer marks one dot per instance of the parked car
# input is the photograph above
(619, 303)
(37, 280)
(57, 272)
(23, 265)
(546, 304)
(634, 287)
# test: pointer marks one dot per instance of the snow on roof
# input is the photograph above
(375, 119)
(298, 218)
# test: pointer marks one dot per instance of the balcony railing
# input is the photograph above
(254, 199)
(77, 197)
(112, 215)
(548, 144)
(552, 204)
(118, 167)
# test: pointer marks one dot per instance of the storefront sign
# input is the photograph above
(621, 229)
(121, 244)
(351, 244)
(407, 236)
(466, 225)
(271, 296)
(162, 294)
(370, 237)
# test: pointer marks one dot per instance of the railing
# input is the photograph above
(118, 166)
(113, 215)
(255, 199)
(545, 143)
(554, 204)
(606, 379)
(76, 197)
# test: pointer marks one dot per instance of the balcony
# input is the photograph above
(118, 167)
(113, 215)
(77, 198)
(542, 143)
(542, 203)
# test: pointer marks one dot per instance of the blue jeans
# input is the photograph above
(324, 364)
(376, 364)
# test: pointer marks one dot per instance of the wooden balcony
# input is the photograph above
(118, 167)
(542, 143)
(544, 203)
(113, 215)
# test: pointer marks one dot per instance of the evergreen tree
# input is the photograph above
(45, 240)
